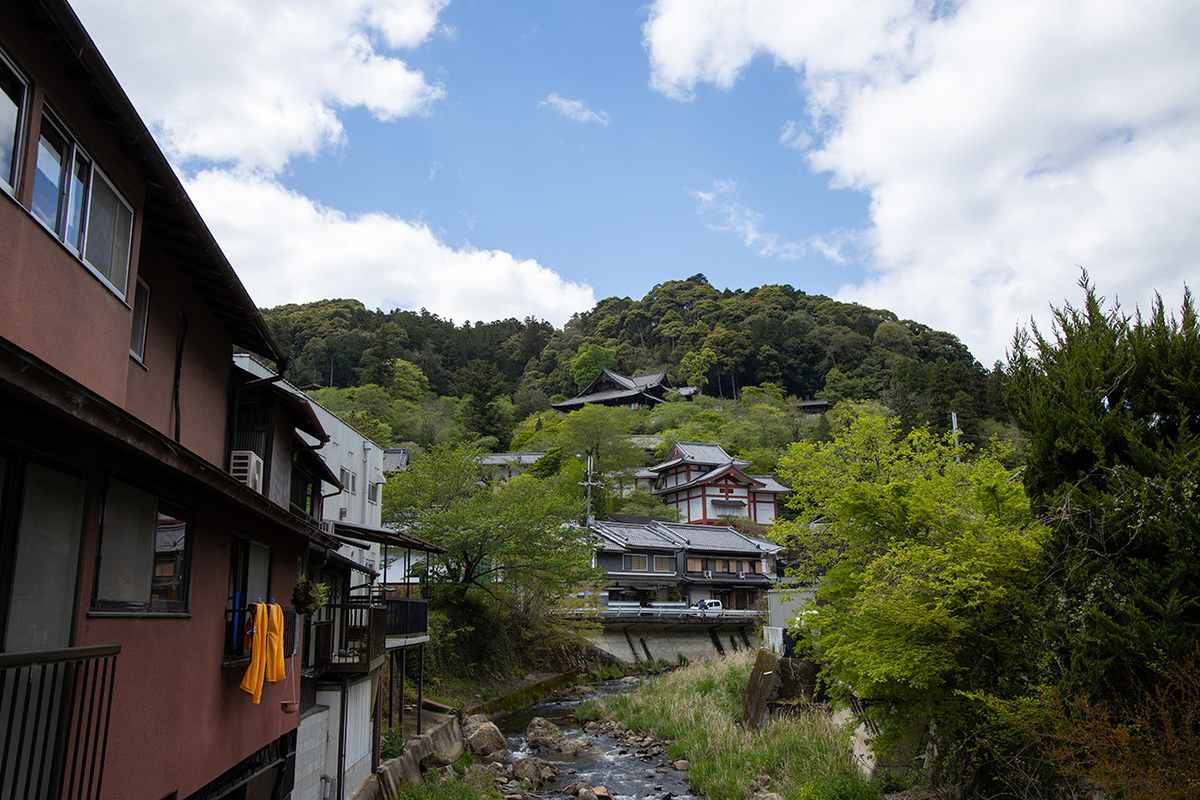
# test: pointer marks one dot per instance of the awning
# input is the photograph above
(388, 536)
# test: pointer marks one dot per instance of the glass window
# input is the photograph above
(662, 564)
(43, 585)
(249, 582)
(141, 310)
(12, 107)
(77, 202)
(48, 184)
(109, 228)
(637, 563)
(695, 565)
(143, 553)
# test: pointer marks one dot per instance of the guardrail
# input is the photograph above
(652, 612)
(56, 706)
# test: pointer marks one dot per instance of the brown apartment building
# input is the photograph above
(128, 550)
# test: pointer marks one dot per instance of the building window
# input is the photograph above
(723, 565)
(353, 483)
(755, 567)
(74, 199)
(662, 564)
(249, 582)
(695, 565)
(141, 311)
(143, 553)
(12, 113)
(344, 478)
(42, 569)
(372, 492)
(637, 563)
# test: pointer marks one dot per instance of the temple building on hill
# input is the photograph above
(611, 389)
(709, 486)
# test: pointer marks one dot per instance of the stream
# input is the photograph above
(612, 763)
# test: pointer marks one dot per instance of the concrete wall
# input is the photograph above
(311, 743)
(445, 739)
(634, 645)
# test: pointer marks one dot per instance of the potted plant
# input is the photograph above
(309, 596)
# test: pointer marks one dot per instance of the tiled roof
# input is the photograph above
(770, 484)
(712, 474)
(504, 459)
(634, 535)
(715, 538)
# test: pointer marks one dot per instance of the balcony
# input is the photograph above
(407, 621)
(56, 705)
(349, 637)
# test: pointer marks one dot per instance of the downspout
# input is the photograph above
(341, 767)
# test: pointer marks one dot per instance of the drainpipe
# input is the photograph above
(341, 768)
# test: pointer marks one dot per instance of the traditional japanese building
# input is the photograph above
(708, 486)
(611, 389)
(656, 561)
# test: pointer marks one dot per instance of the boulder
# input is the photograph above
(682, 765)
(602, 793)
(535, 771)
(486, 742)
(433, 760)
(544, 736)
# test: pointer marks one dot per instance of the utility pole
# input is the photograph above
(588, 484)
(954, 429)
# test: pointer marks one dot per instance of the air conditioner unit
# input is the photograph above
(342, 512)
(708, 573)
(247, 467)
(741, 575)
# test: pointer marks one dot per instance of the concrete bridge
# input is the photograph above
(667, 634)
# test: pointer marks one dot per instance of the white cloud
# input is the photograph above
(288, 249)
(575, 110)
(724, 212)
(1002, 143)
(257, 82)
(794, 136)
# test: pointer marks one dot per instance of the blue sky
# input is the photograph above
(956, 163)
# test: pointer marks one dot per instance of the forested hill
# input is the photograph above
(807, 345)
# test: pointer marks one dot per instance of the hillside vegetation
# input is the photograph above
(407, 376)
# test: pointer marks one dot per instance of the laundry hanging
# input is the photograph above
(265, 638)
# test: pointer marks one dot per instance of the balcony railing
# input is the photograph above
(238, 621)
(349, 637)
(407, 616)
(56, 706)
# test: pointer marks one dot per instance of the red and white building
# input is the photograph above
(709, 486)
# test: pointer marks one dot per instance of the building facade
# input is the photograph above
(655, 562)
(708, 486)
(149, 490)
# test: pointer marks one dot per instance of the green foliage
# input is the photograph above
(644, 504)
(721, 340)
(1111, 406)
(510, 541)
(924, 564)
(447, 790)
(392, 743)
(590, 360)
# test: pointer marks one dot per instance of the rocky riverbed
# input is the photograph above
(543, 752)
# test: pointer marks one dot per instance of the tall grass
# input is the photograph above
(699, 706)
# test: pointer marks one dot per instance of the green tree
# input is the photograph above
(1111, 406)
(923, 566)
(587, 364)
(510, 541)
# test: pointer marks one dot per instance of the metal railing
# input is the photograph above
(407, 616)
(240, 620)
(55, 706)
(349, 637)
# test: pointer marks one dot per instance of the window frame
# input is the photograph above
(633, 563)
(235, 651)
(373, 493)
(16, 167)
(666, 562)
(150, 606)
(141, 321)
(71, 154)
